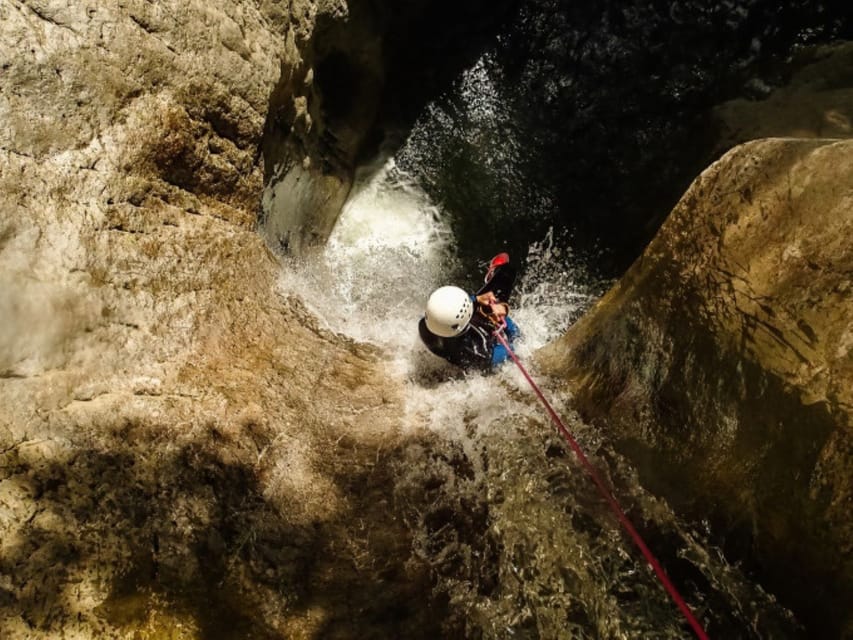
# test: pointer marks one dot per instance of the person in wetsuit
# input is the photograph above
(460, 327)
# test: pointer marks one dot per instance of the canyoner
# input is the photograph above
(459, 326)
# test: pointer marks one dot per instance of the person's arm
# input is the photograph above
(502, 282)
(492, 307)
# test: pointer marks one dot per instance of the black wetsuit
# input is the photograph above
(475, 347)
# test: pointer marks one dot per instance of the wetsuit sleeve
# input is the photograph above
(502, 282)
(511, 329)
(470, 350)
(432, 342)
(500, 354)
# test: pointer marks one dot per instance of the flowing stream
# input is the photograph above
(519, 542)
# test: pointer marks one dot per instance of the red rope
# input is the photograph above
(605, 492)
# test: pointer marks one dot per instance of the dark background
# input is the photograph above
(602, 117)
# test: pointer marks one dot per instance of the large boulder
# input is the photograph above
(723, 363)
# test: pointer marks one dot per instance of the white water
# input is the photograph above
(390, 248)
(562, 552)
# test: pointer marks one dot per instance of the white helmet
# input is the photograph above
(448, 311)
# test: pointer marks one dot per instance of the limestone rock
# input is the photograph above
(363, 75)
(181, 447)
(816, 103)
(722, 362)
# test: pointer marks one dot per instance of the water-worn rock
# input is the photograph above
(183, 451)
(360, 80)
(181, 448)
(722, 361)
(817, 102)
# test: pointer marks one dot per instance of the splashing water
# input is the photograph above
(392, 246)
(389, 245)
(516, 536)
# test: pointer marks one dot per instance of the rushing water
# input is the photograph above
(519, 541)
(593, 117)
(573, 115)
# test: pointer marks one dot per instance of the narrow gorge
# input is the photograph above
(218, 227)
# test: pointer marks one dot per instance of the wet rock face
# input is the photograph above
(817, 102)
(182, 449)
(599, 116)
(722, 363)
(364, 71)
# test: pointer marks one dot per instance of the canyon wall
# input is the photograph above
(725, 349)
(182, 449)
(721, 362)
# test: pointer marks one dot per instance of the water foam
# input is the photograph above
(390, 248)
(390, 245)
(561, 556)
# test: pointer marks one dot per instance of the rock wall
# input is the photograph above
(184, 452)
(319, 115)
(182, 449)
(817, 102)
(722, 363)
(364, 73)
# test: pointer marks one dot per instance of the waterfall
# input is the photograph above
(517, 537)
(565, 144)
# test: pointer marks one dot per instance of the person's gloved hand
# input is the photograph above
(492, 307)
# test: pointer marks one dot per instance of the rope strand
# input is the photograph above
(608, 496)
